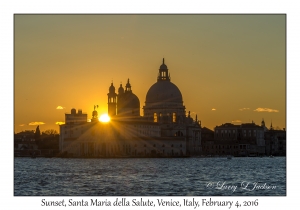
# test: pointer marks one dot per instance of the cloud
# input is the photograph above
(36, 123)
(22, 125)
(236, 121)
(60, 123)
(213, 109)
(265, 110)
(60, 107)
(242, 109)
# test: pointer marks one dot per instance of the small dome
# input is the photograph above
(111, 88)
(121, 89)
(163, 67)
(129, 100)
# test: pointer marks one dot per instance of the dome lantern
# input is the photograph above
(128, 86)
(163, 72)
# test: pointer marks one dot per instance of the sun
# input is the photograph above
(104, 118)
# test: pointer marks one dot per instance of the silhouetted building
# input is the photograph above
(275, 141)
(164, 130)
(75, 118)
(238, 140)
(128, 104)
(207, 141)
(263, 125)
(25, 140)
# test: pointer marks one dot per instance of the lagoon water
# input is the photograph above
(248, 176)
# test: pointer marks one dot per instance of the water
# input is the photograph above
(150, 177)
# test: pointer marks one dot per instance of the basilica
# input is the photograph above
(164, 129)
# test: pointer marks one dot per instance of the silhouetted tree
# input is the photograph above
(50, 132)
(50, 140)
(37, 133)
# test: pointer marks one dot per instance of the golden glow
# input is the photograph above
(104, 118)
(234, 76)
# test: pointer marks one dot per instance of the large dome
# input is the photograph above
(162, 92)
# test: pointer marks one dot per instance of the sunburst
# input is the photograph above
(104, 118)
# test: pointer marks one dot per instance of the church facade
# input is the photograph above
(164, 130)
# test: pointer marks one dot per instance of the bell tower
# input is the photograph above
(112, 101)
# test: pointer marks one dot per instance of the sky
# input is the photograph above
(229, 68)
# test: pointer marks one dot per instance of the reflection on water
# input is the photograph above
(150, 177)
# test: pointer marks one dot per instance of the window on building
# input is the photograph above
(174, 117)
(155, 117)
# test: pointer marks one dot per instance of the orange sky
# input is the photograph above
(229, 68)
